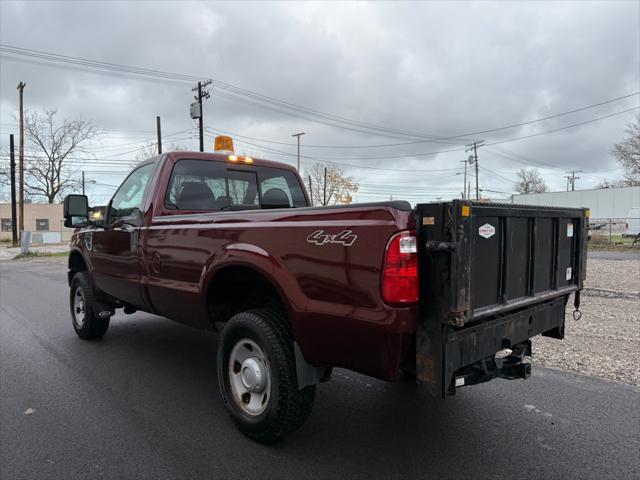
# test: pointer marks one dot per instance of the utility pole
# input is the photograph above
(14, 215)
(200, 95)
(571, 179)
(83, 182)
(474, 146)
(159, 131)
(21, 86)
(298, 135)
(465, 194)
(311, 190)
(324, 189)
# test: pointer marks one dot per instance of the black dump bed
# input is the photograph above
(492, 276)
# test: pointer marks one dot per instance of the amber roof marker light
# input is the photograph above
(223, 144)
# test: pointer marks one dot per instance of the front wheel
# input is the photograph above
(257, 376)
(82, 302)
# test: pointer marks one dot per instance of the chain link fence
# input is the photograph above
(613, 230)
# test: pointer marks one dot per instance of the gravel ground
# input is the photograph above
(606, 340)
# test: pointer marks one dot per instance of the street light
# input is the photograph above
(298, 135)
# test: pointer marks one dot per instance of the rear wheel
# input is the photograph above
(257, 376)
(82, 302)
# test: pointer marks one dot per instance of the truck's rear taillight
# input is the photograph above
(400, 270)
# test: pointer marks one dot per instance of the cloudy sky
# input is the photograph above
(396, 80)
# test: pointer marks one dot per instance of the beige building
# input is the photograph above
(43, 220)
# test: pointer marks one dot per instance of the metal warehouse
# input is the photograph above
(603, 203)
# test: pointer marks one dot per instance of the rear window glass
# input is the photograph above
(243, 188)
(277, 184)
(209, 186)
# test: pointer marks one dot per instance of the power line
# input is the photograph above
(521, 159)
(310, 117)
(237, 91)
(511, 181)
(565, 127)
(234, 90)
(436, 152)
(451, 137)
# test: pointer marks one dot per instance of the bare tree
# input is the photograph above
(5, 181)
(338, 189)
(51, 145)
(151, 150)
(627, 153)
(606, 183)
(530, 181)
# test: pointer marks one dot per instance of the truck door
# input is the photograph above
(115, 248)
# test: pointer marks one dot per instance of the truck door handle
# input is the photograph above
(127, 228)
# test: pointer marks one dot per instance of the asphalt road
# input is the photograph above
(143, 403)
(613, 255)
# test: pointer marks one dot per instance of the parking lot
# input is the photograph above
(604, 342)
(143, 403)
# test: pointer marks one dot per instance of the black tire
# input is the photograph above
(287, 407)
(91, 326)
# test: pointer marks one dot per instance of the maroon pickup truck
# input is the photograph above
(448, 293)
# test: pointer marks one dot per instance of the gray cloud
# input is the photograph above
(437, 68)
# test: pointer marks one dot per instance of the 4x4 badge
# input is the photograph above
(345, 237)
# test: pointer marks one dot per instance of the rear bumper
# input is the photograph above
(442, 350)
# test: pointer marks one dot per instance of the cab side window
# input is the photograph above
(128, 199)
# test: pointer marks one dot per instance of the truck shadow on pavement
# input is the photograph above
(358, 424)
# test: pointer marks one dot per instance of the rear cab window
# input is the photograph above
(274, 182)
(206, 185)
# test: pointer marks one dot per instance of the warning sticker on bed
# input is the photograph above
(569, 273)
(487, 230)
(570, 229)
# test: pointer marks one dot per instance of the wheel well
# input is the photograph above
(76, 264)
(237, 288)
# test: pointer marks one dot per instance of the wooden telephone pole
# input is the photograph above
(201, 94)
(159, 132)
(571, 179)
(21, 86)
(474, 146)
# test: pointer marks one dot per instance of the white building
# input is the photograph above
(605, 203)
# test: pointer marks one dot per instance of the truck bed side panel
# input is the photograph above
(331, 284)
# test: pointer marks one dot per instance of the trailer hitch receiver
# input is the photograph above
(510, 367)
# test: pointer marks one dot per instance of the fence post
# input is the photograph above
(610, 231)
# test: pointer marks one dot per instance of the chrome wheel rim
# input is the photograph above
(78, 308)
(249, 377)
